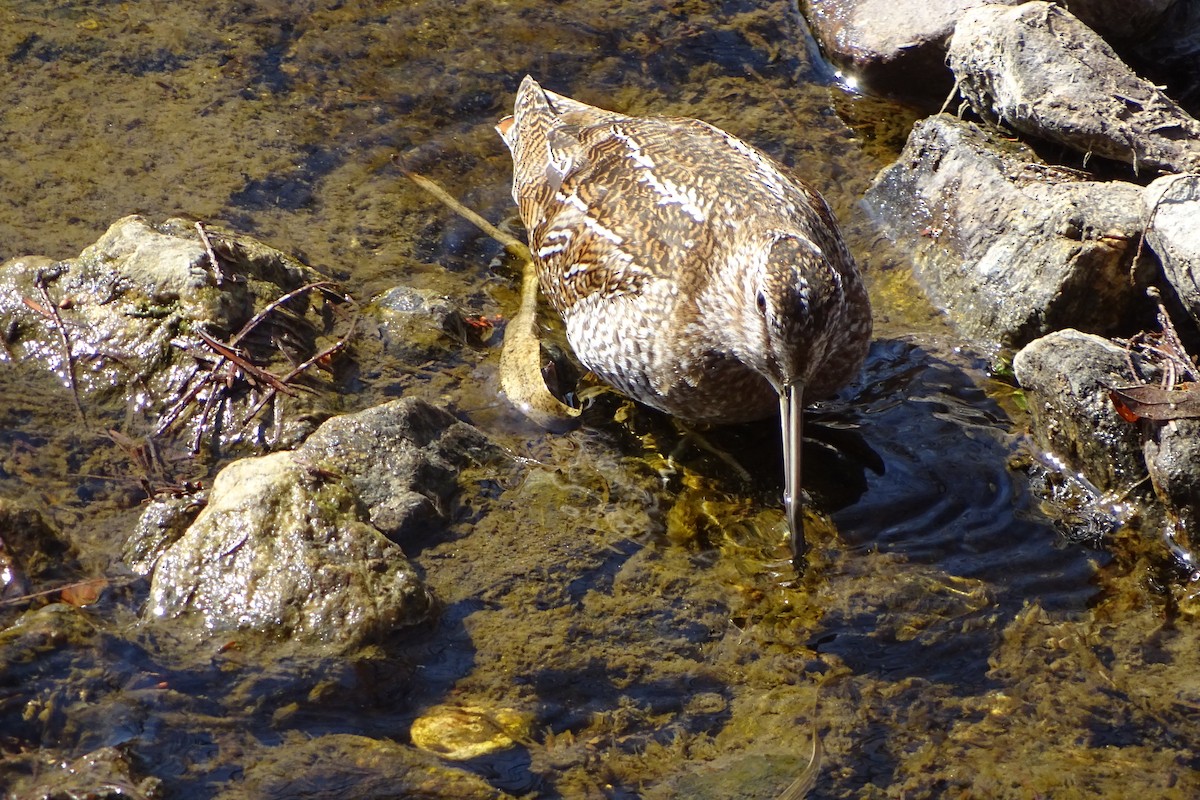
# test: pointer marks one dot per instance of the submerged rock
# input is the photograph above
(1009, 247)
(1039, 70)
(462, 732)
(417, 324)
(107, 773)
(296, 543)
(31, 551)
(1173, 233)
(334, 766)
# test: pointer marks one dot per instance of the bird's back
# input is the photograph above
(640, 227)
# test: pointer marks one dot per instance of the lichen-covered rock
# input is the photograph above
(284, 548)
(1173, 233)
(1038, 69)
(122, 323)
(300, 543)
(1009, 247)
(1066, 377)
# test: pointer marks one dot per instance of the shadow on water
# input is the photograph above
(947, 501)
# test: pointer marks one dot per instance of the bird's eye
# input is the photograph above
(761, 301)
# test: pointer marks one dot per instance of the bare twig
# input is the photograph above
(336, 347)
(51, 308)
(510, 242)
(244, 364)
(274, 304)
(217, 274)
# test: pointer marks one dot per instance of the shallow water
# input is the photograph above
(620, 583)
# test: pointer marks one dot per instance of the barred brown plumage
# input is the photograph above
(693, 274)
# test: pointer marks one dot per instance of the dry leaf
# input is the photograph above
(84, 593)
(1154, 402)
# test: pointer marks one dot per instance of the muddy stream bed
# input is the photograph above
(620, 589)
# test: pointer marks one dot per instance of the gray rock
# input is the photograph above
(1009, 247)
(890, 45)
(900, 45)
(401, 459)
(293, 543)
(1173, 233)
(131, 306)
(286, 549)
(1066, 377)
(1173, 460)
(1038, 69)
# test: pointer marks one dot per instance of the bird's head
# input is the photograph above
(796, 294)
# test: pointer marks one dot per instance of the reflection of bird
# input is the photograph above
(691, 272)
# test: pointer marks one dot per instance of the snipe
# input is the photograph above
(693, 274)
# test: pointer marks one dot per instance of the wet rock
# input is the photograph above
(1172, 232)
(1039, 70)
(900, 45)
(132, 307)
(31, 551)
(323, 767)
(294, 542)
(891, 46)
(160, 526)
(287, 549)
(1173, 459)
(108, 773)
(1066, 377)
(1009, 247)
(402, 460)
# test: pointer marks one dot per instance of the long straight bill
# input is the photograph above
(791, 408)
